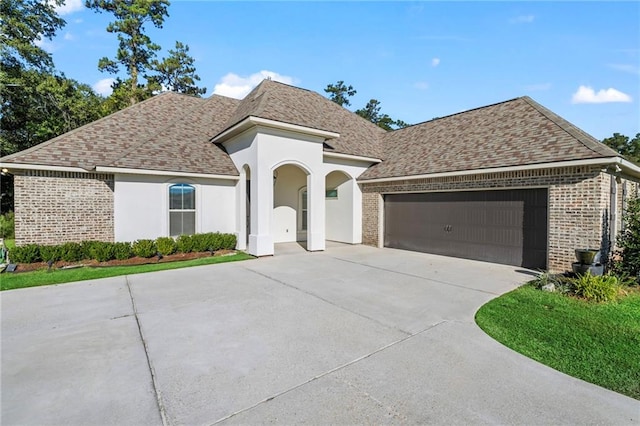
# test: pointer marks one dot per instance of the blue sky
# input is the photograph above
(419, 59)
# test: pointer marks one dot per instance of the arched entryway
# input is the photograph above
(290, 204)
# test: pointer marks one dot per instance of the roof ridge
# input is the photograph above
(159, 130)
(580, 135)
(45, 144)
(454, 114)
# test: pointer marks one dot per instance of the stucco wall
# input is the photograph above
(141, 206)
(286, 200)
(57, 207)
(578, 204)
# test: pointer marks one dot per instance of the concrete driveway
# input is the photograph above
(351, 335)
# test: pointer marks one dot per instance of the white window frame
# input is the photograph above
(194, 210)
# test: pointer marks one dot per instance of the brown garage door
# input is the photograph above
(507, 226)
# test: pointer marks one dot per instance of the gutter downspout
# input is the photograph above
(613, 202)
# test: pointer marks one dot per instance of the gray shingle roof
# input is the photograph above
(172, 132)
(169, 132)
(511, 133)
(292, 105)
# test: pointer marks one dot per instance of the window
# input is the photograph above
(331, 193)
(182, 209)
(303, 209)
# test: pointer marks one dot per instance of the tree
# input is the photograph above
(629, 148)
(42, 106)
(340, 93)
(176, 72)
(372, 113)
(22, 24)
(136, 51)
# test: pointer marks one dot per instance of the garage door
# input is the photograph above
(507, 227)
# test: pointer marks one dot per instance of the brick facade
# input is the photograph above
(579, 201)
(56, 207)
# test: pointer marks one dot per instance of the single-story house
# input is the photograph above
(511, 183)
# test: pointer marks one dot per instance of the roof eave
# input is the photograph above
(629, 169)
(252, 121)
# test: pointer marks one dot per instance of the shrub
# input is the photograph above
(7, 225)
(87, 249)
(185, 243)
(229, 241)
(29, 253)
(602, 288)
(102, 251)
(122, 251)
(50, 253)
(144, 248)
(627, 258)
(166, 245)
(201, 242)
(71, 252)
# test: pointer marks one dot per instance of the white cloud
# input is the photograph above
(421, 85)
(103, 87)
(522, 19)
(235, 86)
(68, 36)
(538, 87)
(586, 95)
(70, 6)
(632, 69)
(435, 62)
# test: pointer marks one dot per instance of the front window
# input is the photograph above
(303, 209)
(182, 209)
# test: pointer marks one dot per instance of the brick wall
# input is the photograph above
(58, 207)
(578, 204)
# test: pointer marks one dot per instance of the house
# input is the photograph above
(511, 183)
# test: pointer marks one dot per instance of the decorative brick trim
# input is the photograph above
(56, 207)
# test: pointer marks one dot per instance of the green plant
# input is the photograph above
(185, 243)
(166, 245)
(102, 251)
(144, 248)
(71, 252)
(122, 250)
(596, 288)
(7, 225)
(626, 260)
(29, 253)
(201, 242)
(87, 248)
(50, 253)
(229, 241)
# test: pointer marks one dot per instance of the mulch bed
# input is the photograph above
(27, 267)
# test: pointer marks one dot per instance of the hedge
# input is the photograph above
(103, 251)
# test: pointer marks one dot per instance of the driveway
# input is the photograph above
(350, 335)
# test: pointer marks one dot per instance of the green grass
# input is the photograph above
(598, 343)
(9, 281)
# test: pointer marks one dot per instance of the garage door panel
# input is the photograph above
(503, 226)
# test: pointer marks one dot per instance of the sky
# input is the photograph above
(421, 60)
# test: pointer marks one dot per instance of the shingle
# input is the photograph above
(510, 133)
(287, 104)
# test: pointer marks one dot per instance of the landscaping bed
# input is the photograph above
(137, 260)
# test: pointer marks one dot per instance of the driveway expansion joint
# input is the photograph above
(154, 382)
(328, 372)
(415, 276)
(308, 293)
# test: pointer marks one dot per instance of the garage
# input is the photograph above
(501, 226)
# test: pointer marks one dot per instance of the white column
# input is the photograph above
(261, 239)
(316, 207)
(356, 212)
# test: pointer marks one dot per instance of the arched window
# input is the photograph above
(182, 209)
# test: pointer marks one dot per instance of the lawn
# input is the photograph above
(10, 281)
(598, 343)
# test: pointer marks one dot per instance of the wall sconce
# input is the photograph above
(275, 177)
